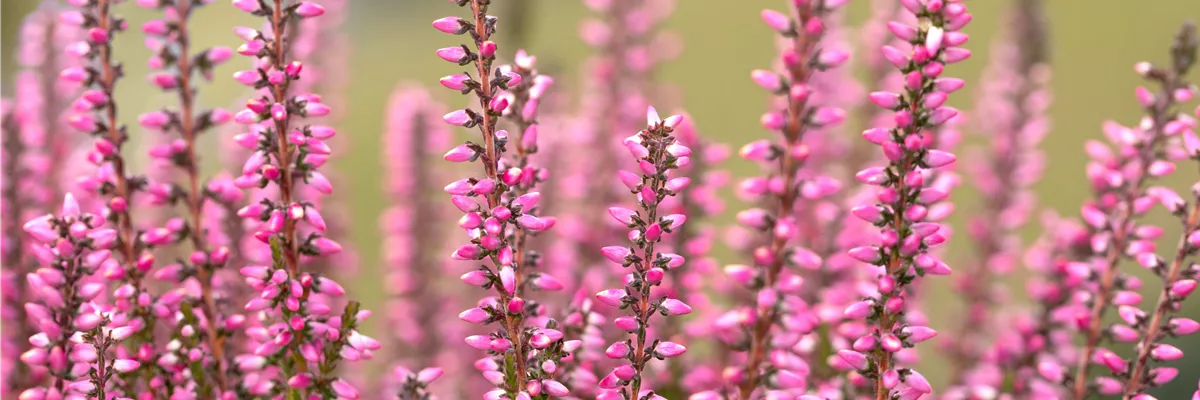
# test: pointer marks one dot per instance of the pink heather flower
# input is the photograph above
(456, 81)
(655, 139)
(912, 237)
(457, 117)
(499, 232)
(452, 54)
(776, 20)
(449, 25)
(1118, 178)
(309, 9)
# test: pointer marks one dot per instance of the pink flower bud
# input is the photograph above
(886, 100)
(627, 323)
(451, 25)
(125, 365)
(611, 297)
(854, 358)
(474, 315)
(767, 80)
(249, 6)
(1166, 352)
(859, 310)
(155, 27)
(778, 21)
(456, 81)
(309, 9)
(325, 246)
(452, 54)
(675, 307)
(918, 382)
(487, 49)
(669, 349)
(902, 31)
(457, 117)
(1183, 326)
(867, 254)
(462, 153)
(623, 215)
(1182, 288)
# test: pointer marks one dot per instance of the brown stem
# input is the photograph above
(283, 155)
(513, 323)
(102, 371)
(284, 151)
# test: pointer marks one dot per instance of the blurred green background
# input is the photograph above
(1095, 44)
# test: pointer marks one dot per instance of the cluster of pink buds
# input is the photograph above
(1119, 179)
(1015, 98)
(169, 39)
(826, 304)
(778, 318)
(657, 154)
(70, 248)
(907, 206)
(133, 257)
(97, 116)
(301, 342)
(413, 252)
(523, 358)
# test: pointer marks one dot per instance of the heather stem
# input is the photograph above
(284, 151)
(644, 311)
(490, 159)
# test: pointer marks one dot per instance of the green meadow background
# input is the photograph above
(1094, 46)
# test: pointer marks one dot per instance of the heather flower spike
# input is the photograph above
(412, 252)
(179, 70)
(62, 293)
(901, 255)
(1015, 96)
(291, 225)
(502, 212)
(124, 289)
(112, 182)
(645, 264)
(35, 144)
(1177, 276)
(768, 329)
